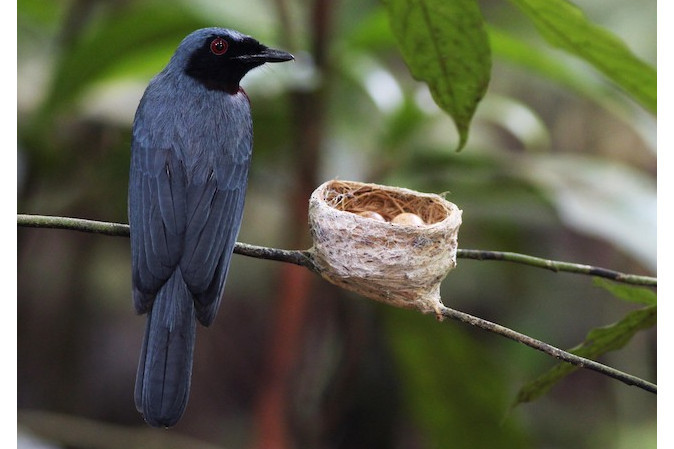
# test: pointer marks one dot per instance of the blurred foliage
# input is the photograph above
(107, 48)
(451, 354)
(598, 342)
(559, 164)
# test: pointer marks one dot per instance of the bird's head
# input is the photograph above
(219, 58)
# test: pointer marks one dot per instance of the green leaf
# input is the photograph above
(597, 342)
(639, 295)
(563, 25)
(540, 61)
(444, 44)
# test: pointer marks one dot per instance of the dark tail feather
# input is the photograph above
(165, 367)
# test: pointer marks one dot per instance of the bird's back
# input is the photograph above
(191, 153)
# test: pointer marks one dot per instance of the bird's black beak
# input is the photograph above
(268, 55)
(274, 55)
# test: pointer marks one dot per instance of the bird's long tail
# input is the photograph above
(165, 367)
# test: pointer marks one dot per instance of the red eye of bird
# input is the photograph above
(219, 46)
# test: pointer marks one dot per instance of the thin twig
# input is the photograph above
(548, 349)
(557, 266)
(305, 259)
(73, 224)
(297, 257)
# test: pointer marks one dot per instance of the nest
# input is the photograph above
(362, 243)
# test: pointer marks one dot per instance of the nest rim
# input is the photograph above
(355, 197)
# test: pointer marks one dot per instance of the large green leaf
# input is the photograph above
(564, 25)
(540, 61)
(444, 44)
(597, 342)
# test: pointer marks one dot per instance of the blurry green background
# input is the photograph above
(559, 164)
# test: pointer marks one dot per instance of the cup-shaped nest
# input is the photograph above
(386, 243)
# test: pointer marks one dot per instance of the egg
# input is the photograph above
(407, 218)
(371, 214)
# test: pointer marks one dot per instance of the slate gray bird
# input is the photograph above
(190, 153)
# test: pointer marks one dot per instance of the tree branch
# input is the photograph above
(74, 224)
(305, 258)
(297, 257)
(548, 349)
(558, 266)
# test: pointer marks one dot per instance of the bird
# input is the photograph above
(191, 149)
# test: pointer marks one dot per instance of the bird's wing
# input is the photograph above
(179, 219)
(214, 208)
(157, 210)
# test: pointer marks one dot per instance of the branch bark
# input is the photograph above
(558, 266)
(304, 258)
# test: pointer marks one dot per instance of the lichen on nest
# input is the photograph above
(400, 264)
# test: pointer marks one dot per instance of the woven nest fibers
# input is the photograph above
(386, 243)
